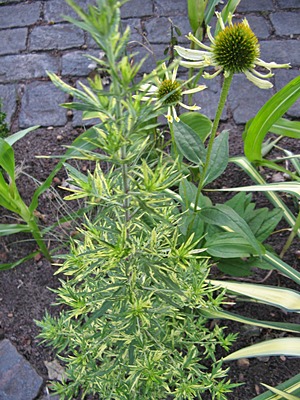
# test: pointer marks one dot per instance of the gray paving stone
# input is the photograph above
(255, 5)
(136, 8)
(259, 26)
(282, 78)
(27, 66)
(134, 24)
(208, 99)
(171, 7)
(8, 96)
(289, 3)
(245, 99)
(156, 54)
(158, 30)
(18, 380)
(40, 105)
(19, 15)
(50, 37)
(55, 10)
(281, 51)
(76, 64)
(286, 23)
(16, 39)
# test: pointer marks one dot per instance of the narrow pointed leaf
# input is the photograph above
(290, 386)
(283, 395)
(281, 266)
(10, 229)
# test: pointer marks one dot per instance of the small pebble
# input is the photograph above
(59, 138)
(56, 180)
(257, 389)
(243, 363)
(10, 315)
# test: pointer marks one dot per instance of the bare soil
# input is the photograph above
(25, 294)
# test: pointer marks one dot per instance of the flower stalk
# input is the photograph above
(221, 105)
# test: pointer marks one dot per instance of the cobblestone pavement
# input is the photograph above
(35, 38)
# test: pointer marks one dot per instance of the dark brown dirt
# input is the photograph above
(24, 293)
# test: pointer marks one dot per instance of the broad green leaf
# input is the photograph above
(10, 229)
(283, 395)
(241, 267)
(263, 222)
(290, 386)
(196, 10)
(198, 122)
(288, 346)
(219, 158)
(286, 299)
(220, 314)
(267, 116)
(228, 245)
(189, 144)
(285, 127)
(227, 219)
(19, 135)
(7, 158)
(188, 192)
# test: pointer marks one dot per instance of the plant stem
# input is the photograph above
(126, 203)
(38, 238)
(291, 236)
(222, 101)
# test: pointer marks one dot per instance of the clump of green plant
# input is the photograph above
(135, 324)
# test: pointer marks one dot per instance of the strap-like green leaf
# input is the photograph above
(289, 346)
(10, 229)
(283, 395)
(19, 135)
(286, 299)
(282, 326)
(290, 386)
(268, 115)
(272, 196)
(285, 127)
